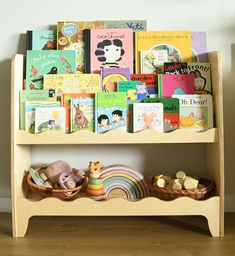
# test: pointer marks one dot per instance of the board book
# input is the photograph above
(129, 120)
(39, 63)
(175, 68)
(135, 90)
(136, 25)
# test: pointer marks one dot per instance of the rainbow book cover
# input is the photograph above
(108, 48)
(39, 63)
(135, 90)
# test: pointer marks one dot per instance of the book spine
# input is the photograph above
(87, 57)
(159, 77)
(29, 40)
(137, 57)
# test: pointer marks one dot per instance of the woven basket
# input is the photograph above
(171, 194)
(63, 194)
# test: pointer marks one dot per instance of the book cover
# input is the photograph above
(110, 111)
(177, 43)
(175, 68)
(73, 83)
(148, 116)
(199, 47)
(30, 112)
(41, 40)
(49, 119)
(129, 114)
(108, 48)
(172, 84)
(33, 95)
(151, 61)
(83, 114)
(39, 63)
(150, 80)
(202, 76)
(171, 116)
(136, 25)
(70, 36)
(196, 112)
(135, 90)
(110, 77)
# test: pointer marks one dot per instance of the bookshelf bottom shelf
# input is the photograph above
(151, 206)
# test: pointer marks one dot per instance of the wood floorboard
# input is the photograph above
(121, 236)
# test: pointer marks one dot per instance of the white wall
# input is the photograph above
(216, 17)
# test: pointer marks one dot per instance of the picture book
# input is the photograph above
(110, 111)
(202, 76)
(129, 114)
(41, 40)
(177, 43)
(49, 119)
(108, 48)
(33, 95)
(199, 47)
(83, 114)
(30, 112)
(171, 116)
(73, 83)
(39, 63)
(136, 25)
(148, 116)
(175, 68)
(70, 36)
(135, 90)
(66, 102)
(151, 61)
(172, 84)
(150, 80)
(196, 112)
(110, 77)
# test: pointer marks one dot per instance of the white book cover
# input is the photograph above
(196, 111)
(148, 116)
(50, 119)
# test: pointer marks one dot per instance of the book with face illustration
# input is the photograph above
(108, 48)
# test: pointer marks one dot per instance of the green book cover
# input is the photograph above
(39, 63)
(33, 95)
(136, 25)
(159, 77)
(135, 90)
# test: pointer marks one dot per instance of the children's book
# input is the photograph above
(171, 112)
(129, 118)
(110, 77)
(74, 83)
(135, 90)
(41, 62)
(196, 112)
(199, 47)
(172, 84)
(70, 36)
(30, 112)
(136, 25)
(108, 48)
(41, 40)
(151, 61)
(148, 116)
(110, 111)
(177, 43)
(83, 114)
(175, 68)
(202, 76)
(33, 95)
(150, 80)
(50, 119)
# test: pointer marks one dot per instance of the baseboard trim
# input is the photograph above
(5, 204)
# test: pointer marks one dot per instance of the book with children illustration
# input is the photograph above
(196, 112)
(73, 83)
(172, 84)
(148, 116)
(108, 48)
(41, 62)
(110, 111)
(82, 113)
(50, 119)
(135, 90)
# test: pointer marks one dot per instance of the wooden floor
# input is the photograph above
(122, 236)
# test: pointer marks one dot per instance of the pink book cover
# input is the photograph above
(108, 48)
(173, 84)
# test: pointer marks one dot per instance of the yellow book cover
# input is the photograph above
(177, 44)
(72, 83)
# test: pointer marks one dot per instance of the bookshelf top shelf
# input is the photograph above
(117, 137)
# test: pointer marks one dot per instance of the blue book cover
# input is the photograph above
(41, 40)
